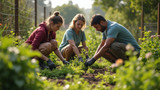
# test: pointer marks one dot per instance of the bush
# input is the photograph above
(138, 74)
(17, 70)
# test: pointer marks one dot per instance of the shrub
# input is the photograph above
(137, 75)
(17, 70)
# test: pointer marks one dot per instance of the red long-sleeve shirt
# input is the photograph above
(40, 35)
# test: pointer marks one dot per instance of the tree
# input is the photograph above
(129, 12)
(97, 10)
(132, 8)
(149, 7)
(68, 11)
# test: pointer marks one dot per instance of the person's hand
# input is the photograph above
(65, 62)
(51, 64)
(89, 62)
(80, 59)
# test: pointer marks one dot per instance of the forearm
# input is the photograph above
(100, 52)
(58, 53)
(99, 47)
(44, 57)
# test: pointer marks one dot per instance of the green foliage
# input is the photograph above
(68, 11)
(25, 15)
(17, 70)
(90, 70)
(150, 44)
(136, 76)
(149, 6)
(101, 63)
(132, 8)
(138, 73)
(78, 84)
(127, 12)
(107, 78)
(74, 67)
(93, 39)
(57, 73)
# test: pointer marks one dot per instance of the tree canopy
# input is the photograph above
(68, 11)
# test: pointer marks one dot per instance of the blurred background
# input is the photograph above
(129, 13)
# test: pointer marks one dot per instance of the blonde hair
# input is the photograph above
(75, 19)
(55, 18)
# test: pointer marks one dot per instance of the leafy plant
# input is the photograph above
(107, 78)
(135, 75)
(17, 70)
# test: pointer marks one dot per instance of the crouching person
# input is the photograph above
(43, 39)
(114, 40)
(72, 39)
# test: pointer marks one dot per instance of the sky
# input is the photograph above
(81, 3)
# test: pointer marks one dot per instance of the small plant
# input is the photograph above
(90, 70)
(57, 73)
(107, 78)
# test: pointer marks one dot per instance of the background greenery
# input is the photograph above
(19, 71)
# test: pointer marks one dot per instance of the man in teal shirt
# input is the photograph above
(114, 41)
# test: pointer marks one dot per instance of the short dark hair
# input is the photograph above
(96, 19)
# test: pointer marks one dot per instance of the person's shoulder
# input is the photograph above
(40, 31)
(41, 27)
(113, 25)
(69, 31)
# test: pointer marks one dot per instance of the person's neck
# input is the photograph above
(48, 29)
(77, 32)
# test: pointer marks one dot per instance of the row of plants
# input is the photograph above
(19, 71)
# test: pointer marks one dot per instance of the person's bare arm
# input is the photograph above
(100, 46)
(44, 57)
(57, 52)
(104, 48)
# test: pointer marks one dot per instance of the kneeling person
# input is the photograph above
(72, 38)
(43, 40)
(115, 38)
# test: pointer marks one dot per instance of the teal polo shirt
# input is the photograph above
(120, 33)
(70, 34)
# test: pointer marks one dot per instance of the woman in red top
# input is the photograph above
(43, 40)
